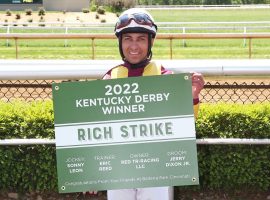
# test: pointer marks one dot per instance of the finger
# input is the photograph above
(197, 76)
(198, 80)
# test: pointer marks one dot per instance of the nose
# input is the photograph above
(134, 45)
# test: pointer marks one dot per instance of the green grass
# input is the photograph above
(108, 49)
(213, 15)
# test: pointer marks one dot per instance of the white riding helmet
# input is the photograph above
(135, 20)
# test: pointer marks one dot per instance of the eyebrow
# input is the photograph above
(139, 36)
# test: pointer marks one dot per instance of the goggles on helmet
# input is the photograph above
(139, 18)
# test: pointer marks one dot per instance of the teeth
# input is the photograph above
(133, 53)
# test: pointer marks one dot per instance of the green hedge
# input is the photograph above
(27, 168)
(234, 166)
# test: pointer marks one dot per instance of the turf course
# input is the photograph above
(107, 49)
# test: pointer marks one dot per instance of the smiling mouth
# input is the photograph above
(134, 53)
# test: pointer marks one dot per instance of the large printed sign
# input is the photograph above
(125, 133)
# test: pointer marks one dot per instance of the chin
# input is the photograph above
(135, 61)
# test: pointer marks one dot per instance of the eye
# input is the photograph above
(126, 38)
(142, 38)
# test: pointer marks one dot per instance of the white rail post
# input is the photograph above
(184, 41)
(8, 31)
(245, 31)
(66, 32)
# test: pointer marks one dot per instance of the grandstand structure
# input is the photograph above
(50, 5)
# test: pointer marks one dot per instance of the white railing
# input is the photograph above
(58, 23)
(234, 6)
(94, 69)
(206, 141)
(161, 25)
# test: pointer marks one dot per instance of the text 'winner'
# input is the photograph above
(122, 104)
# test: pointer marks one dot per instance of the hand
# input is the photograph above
(197, 84)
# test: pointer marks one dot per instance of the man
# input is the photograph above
(136, 32)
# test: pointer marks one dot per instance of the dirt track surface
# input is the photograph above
(68, 17)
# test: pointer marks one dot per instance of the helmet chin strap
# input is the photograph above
(149, 54)
(143, 62)
(120, 47)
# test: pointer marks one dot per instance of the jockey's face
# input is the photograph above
(135, 47)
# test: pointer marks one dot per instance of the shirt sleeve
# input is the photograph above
(164, 71)
(107, 75)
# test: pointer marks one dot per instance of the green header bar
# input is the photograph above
(127, 98)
